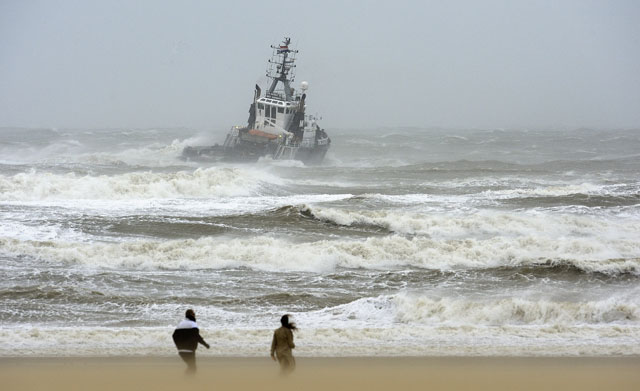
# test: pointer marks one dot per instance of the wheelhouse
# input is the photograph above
(274, 115)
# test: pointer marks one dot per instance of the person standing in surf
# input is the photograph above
(282, 344)
(186, 337)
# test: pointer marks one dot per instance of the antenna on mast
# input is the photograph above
(282, 69)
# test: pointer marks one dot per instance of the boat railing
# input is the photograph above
(281, 96)
(323, 141)
(276, 95)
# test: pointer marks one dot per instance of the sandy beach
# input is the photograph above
(448, 373)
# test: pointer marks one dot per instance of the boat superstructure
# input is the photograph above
(278, 125)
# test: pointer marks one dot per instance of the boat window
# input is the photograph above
(260, 106)
(273, 112)
(280, 109)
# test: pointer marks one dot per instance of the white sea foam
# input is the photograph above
(40, 219)
(151, 155)
(517, 188)
(24, 153)
(281, 163)
(484, 224)
(420, 309)
(206, 182)
(22, 231)
(311, 341)
(558, 190)
(603, 255)
(135, 148)
(327, 183)
(400, 324)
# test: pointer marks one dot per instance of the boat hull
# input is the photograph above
(245, 151)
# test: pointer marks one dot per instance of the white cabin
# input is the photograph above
(274, 115)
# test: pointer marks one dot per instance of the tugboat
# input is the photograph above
(277, 127)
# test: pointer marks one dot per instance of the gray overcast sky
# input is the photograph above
(480, 64)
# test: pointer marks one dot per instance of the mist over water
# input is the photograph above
(404, 241)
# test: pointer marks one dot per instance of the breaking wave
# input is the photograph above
(479, 224)
(423, 310)
(401, 324)
(512, 311)
(206, 182)
(329, 342)
(271, 254)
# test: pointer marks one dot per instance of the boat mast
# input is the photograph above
(283, 64)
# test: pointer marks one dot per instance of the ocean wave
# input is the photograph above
(156, 154)
(314, 341)
(609, 256)
(416, 310)
(27, 153)
(586, 189)
(512, 311)
(111, 147)
(477, 224)
(207, 182)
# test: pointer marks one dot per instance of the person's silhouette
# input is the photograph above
(186, 337)
(282, 344)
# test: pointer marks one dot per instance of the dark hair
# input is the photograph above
(285, 322)
(190, 315)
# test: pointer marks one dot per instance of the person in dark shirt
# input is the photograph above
(186, 337)
(281, 345)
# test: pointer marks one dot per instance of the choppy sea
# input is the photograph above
(404, 242)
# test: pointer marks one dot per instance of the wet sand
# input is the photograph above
(422, 373)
